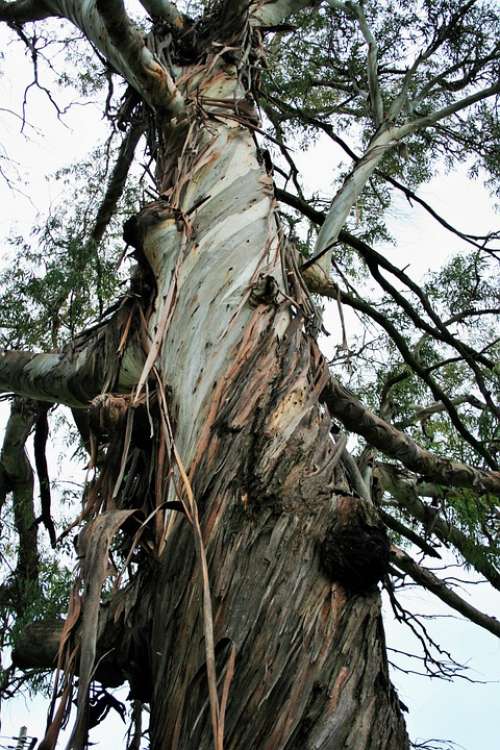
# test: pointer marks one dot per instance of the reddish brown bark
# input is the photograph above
(311, 670)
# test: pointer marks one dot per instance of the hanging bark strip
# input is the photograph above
(93, 544)
(39, 444)
(216, 709)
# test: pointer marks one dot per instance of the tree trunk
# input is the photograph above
(243, 379)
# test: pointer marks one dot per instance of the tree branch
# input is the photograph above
(423, 413)
(107, 26)
(373, 259)
(405, 489)
(165, 10)
(357, 418)
(117, 181)
(432, 583)
(331, 290)
(155, 81)
(474, 240)
(377, 104)
(78, 374)
(409, 534)
(17, 477)
(422, 122)
(24, 11)
(274, 13)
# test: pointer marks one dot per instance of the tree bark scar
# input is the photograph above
(264, 291)
(40, 442)
(355, 550)
(135, 228)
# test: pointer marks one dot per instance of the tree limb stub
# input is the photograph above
(345, 406)
(432, 583)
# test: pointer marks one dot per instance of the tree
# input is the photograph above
(245, 541)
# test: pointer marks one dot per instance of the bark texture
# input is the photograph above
(244, 379)
(233, 382)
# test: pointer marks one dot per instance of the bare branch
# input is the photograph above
(346, 197)
(356, 417)
(432, 583)
(107, 26)
(406, 489)
(423, 413)
(412, 536)
(373, 259)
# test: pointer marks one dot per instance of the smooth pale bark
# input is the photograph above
(164, 9)
(346, 198)
(80, 373)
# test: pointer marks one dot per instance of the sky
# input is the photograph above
(462, 711)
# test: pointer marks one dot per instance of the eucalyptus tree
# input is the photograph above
(243, 540)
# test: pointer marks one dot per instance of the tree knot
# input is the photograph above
(355, 549)
(264, 291)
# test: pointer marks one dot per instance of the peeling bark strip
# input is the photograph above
(93, 547)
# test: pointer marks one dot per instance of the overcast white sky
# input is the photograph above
(460, 711)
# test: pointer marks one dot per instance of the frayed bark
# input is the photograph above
(265, 488)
